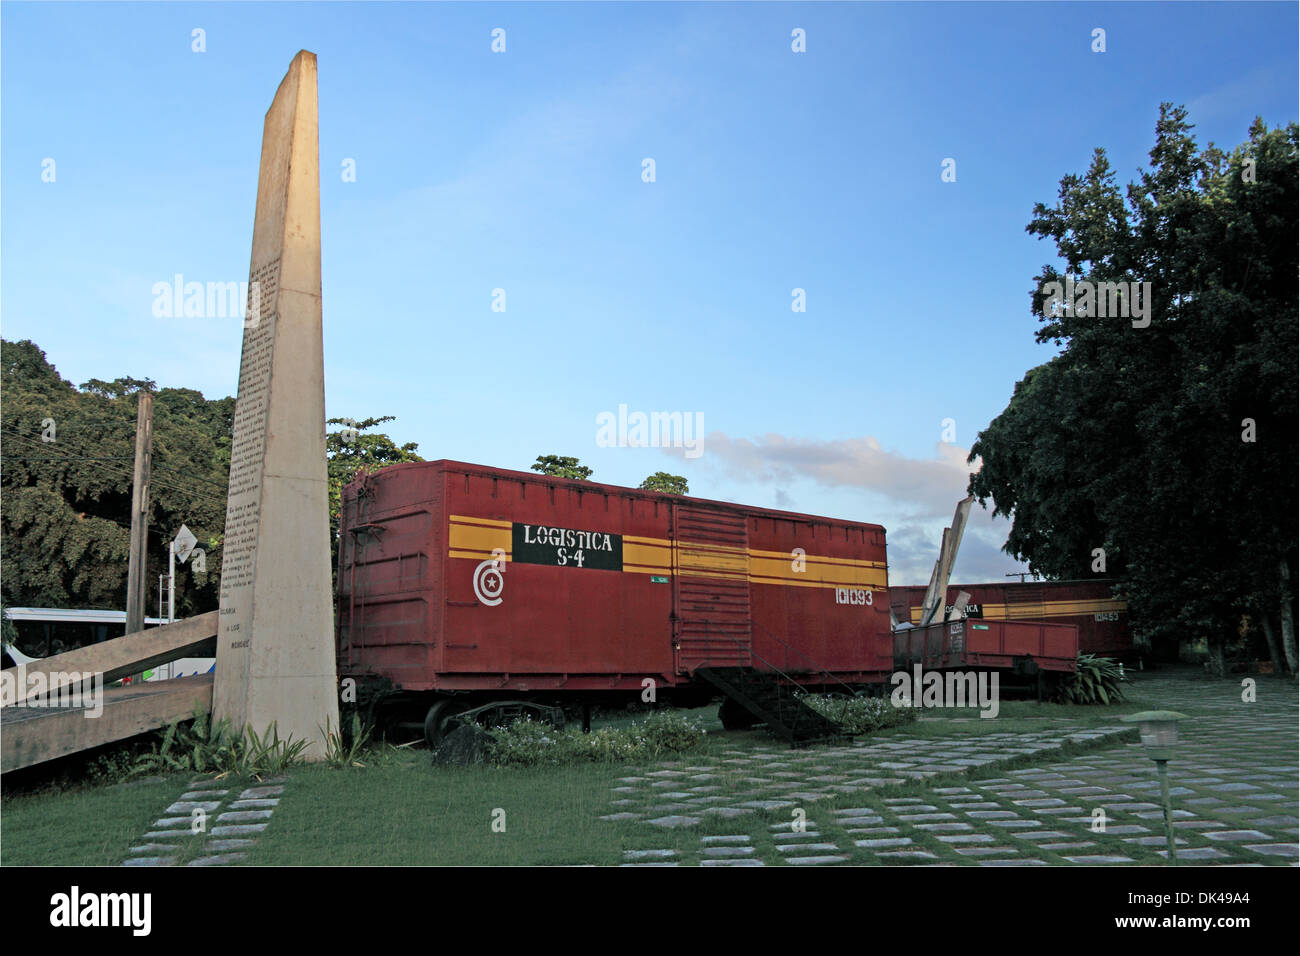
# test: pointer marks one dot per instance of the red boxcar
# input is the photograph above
(464, 578)
(1101, 619)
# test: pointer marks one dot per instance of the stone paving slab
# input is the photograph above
(189, 806)
(238, 829)
(804, 847)
(230, 844)
(1015, 862)
(222, 859)
(661, 863)
(1235, 787)
(1288, 850)
(243, 816)
(815, 860)
(184, 822)
(883, 842)
(725, 851)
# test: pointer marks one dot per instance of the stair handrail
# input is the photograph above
(753, 653)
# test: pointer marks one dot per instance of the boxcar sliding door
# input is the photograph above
(711, 625)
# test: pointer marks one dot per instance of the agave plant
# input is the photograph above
(1096, 681)
(202, 746)
(258, 755)
(340, 753)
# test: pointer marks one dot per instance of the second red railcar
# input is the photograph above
(1102, 619)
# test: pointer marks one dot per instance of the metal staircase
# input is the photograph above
(775, 703)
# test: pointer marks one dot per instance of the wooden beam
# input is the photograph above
(111, 660)
(33, 735)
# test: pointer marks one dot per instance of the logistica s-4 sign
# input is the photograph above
(566, 547)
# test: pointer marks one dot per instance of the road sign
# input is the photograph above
(185, 542)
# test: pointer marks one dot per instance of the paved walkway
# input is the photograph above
(1234, 788)
(196, 829)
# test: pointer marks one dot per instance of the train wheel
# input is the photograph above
(435, 723)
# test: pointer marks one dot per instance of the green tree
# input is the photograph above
(66, 467)
(668, 484)
(561, 467)
(1172, 447)
(66, 474)
(119, 386)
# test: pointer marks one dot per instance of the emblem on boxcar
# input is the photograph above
(489, 579)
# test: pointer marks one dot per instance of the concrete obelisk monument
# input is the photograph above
(275, 646)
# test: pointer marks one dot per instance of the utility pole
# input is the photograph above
(137, 588)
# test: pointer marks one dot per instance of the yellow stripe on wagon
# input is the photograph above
(1031, 610)
(477, 538)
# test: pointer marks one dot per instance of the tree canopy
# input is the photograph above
(1167, 441)
(67, 466)
(561, 467)
(68, 457)
(668, 484)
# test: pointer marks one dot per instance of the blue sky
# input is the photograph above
(522, 171)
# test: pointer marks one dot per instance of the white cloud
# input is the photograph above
(917, 495)
(929, 486)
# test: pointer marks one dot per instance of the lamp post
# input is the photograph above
(1159, 732)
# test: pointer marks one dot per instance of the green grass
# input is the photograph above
(407, 812)
(1017, 717)
(411, 813)
(417, 814)
(88, 827)
(404, 811)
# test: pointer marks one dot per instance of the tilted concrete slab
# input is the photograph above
(110, 660)
(31, 735)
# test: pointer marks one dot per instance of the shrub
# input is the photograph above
(1095, 682)
(859, 715)
(203, 747)
(529, 743)
(672, 732)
